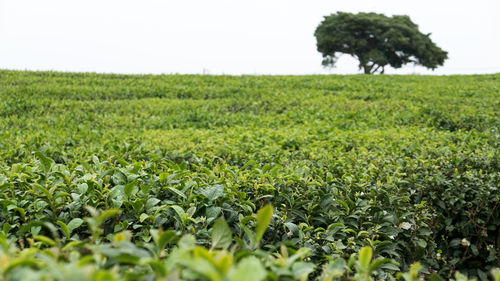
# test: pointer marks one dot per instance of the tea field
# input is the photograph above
(190, 177)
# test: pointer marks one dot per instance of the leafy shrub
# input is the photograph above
(136, 177)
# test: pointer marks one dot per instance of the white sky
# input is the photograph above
(222, 36)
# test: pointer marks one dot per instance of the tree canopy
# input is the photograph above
(376, 41)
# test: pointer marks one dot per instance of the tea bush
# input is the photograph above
(187, 177)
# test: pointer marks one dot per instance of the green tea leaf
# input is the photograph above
(130, 189)
(45, 191)
(44, 239)
(165, 238)
(177, 192)
(249, 269)
(74, 224)
(378, 264)
(143, 217)
(301, 270)
(157, 266)
(212, 192)
(180, 212)
(45, 161)
(264, 216)
(64, 228)
(221, 234)
(106, 215)
(365, 257)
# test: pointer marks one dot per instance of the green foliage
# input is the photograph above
(263, 219)
(376, 41)
(221, 234)
(115, 177)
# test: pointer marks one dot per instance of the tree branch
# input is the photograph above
(375, 70)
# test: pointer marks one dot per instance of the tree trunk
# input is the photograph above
(375, 70)
(368, 69)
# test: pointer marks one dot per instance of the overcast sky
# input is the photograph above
(230, 37)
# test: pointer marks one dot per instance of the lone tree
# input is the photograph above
(376, 41)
